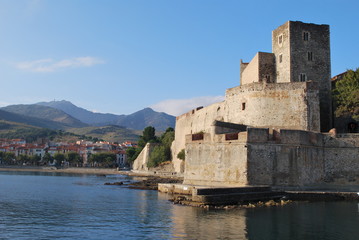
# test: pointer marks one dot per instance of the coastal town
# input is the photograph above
(44, 153)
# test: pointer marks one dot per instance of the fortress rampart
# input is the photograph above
(284, 105)
(267, 131)
(259, 156)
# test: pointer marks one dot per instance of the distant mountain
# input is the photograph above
(41, 116)
(147, 117)
(138, 120)
(37, 122)
(82, 114)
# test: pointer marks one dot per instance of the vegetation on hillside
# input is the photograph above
(346, 95)
(162, 152)
(31, 134)
(111, 133)
(148, 136)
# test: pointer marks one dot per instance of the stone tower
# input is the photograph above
(302, 53)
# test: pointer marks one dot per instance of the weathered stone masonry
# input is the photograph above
(285, 158)
(267, 130)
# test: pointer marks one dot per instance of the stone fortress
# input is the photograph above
(273, 128)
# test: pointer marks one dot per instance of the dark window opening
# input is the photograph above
(306, 36)
(280, 58)
(231, 136)
(310, 56)
(302, 77)
(280, 39)
(243, 106)
(197, 136)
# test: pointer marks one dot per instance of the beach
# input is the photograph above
(79, 170)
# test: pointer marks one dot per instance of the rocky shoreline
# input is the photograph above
(151, 182)
(181, 200)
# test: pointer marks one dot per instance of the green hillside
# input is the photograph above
(11, 130)
(110, 133)
(29, 133)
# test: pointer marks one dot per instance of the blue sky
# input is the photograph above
(117, 56)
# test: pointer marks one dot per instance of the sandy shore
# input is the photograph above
(64, 170)
(142, 181)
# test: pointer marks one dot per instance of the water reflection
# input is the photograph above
(199, 223)
(316, 220)
(209, 225)
(44, 206)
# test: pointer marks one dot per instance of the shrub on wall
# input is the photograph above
(182, 155)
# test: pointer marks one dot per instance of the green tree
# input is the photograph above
(105, 159)
(346, 95)
(149, 134)
(73, 158)
(23, 158)
(34, 159)
(132, 153)
(9, 158)
(47, 158)
(59, 157)
(162, 152)
(168, 137)
(159, 155)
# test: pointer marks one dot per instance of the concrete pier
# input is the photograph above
(196, 195)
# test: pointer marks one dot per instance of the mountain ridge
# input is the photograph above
(45, 113)
(64, 114)
(32, 121)
(137, 120)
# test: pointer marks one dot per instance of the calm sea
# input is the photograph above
(62, 206)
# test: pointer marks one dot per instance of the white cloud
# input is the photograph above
(50, 65)
(177, 107)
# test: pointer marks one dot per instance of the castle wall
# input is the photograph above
(318, 67)
(286, 105)
(259, 157)
(287, 89)
(260, 69)
(302, 53)
(267, 72)
(292, 158)
(250, 74)
(140, 164)
(195, 121)
(281, 50)
(342, 159)
(216, 163)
